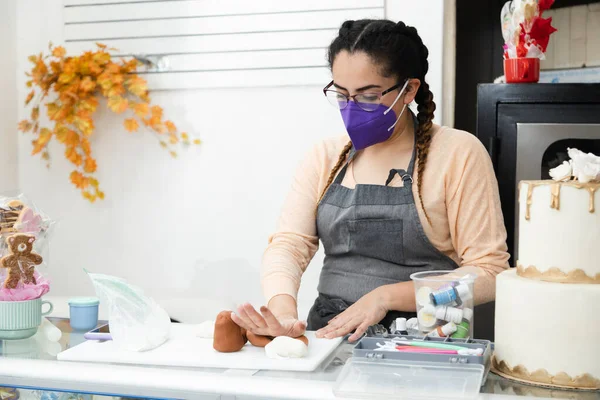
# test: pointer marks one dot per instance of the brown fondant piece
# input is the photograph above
(229, 337)
(259, 340)
(262, 341)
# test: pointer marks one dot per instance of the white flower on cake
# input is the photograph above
(589, 172)
(585, 167)
(562, 172)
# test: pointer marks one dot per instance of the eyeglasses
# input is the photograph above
(366, 101)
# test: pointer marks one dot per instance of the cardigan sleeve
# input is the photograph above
(475, 218)
(295, 241)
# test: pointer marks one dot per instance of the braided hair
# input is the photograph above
(399, 51)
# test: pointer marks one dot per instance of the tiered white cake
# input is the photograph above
(547, 328)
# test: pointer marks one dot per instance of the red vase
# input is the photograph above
(522, 70)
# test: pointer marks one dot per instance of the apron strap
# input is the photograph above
(405, 176)
(340, 177)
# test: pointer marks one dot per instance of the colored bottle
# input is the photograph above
(462, 329)
(443, 331)
(444, 296)
(444, 313)
(401, 326)
(426, 319)
(450, 314)
(447, 295)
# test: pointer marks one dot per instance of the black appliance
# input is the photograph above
(526, 129)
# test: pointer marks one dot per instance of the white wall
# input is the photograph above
(8, 96)
(577, 41)
(196, 226)
(428, 17)
(449, 62)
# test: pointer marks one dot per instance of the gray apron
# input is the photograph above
(372, 236)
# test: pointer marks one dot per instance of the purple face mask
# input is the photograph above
(367, 128)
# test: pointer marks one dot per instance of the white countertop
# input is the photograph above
(28, 364)
(165, 383)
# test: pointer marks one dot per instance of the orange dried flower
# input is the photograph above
(131, 125)
(59, 52)
(141, 109)
(74, 85)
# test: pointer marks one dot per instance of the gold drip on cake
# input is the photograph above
(592, 190)
(555, 274)
(555, 188)
(555, 193)
(543, 377)
(530, 188)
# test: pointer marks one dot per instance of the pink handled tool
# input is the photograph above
(424, 350)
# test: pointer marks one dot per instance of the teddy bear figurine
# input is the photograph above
(20, 261)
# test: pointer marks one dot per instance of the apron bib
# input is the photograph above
(372, 236)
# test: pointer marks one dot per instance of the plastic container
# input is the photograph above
(522, 70)
(443, 297)
(84, 313)
(396, 379)
(367, 348)
(372, 372)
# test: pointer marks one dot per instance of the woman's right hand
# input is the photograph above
(266, 323)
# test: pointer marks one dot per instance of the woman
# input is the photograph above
(402, 196)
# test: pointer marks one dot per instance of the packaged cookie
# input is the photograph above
(24, 240)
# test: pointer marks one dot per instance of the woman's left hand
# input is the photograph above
(368, 310)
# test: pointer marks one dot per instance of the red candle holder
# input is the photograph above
(522, 70)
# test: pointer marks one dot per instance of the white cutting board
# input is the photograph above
(184, 349)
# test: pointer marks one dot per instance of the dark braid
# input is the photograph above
(426, 108)
(424, 99)
(400, 52)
